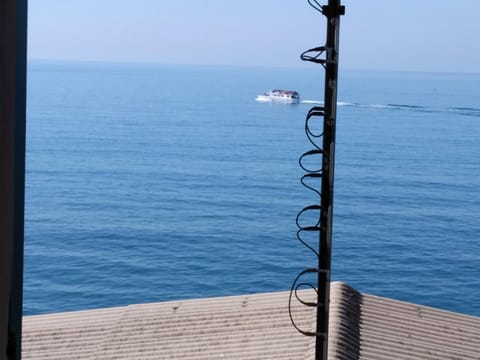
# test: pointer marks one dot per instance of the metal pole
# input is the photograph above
(332, 11)
(13, 48)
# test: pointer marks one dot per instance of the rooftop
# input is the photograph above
(253, 327)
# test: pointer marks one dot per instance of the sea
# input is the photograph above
(153, 182)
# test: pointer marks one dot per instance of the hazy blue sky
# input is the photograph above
(425, 35)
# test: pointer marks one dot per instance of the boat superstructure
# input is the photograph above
(276, 95)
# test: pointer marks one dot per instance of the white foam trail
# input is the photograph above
(376, 106)
(339, 103)
(312, 102)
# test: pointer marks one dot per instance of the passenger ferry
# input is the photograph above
(284, 96)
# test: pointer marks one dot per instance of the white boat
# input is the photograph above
(284, 96)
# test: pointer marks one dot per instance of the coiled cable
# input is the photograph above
(310, 225)
(314, 221)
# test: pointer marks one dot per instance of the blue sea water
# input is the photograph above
(160, 182)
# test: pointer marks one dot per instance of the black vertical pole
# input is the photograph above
(332, 11)
(13, 49)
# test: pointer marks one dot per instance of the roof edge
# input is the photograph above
(345, 314)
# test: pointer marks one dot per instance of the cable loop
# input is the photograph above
(296, 287)
(307, 168)
(312, 175)
(313, 55)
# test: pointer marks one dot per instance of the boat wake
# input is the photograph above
(318, 102)
(465, 111)
(312, 102)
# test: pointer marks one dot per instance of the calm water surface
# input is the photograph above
(155, 182)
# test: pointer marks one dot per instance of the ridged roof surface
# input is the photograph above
(253, 327)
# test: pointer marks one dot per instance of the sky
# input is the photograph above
(405, 35)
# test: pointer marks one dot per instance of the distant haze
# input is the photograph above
(422, 35)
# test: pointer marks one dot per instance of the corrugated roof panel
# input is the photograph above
(254, 327)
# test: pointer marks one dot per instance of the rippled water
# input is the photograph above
(149, 183)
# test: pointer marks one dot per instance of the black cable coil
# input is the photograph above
(312, 212)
